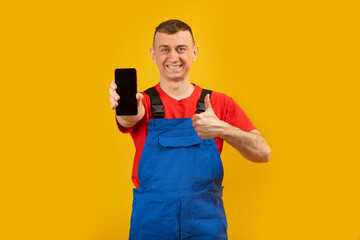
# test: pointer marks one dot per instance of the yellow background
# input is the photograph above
(293, 66)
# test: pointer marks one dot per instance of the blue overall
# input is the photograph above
(180, 193)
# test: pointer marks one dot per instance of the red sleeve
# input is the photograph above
(236, 116)
(226, 109)
(123, 129)
(138, 134)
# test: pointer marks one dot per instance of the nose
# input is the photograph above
(174, 56)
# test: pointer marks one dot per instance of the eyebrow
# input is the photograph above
(182, 45)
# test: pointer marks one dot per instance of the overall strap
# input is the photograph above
(201, 102)
(156, 103)
(158, 107)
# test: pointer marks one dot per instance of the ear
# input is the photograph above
(195, 53)
(152, 53)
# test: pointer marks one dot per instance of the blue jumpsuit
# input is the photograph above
(180, 192)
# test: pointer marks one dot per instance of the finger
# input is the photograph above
(199, 133)
(197, 125)
(114, 103)
(195, 117)
(207, 102)
(113, 85)
(139, 97)
(113, 106)
(114, 94)
(194, 124)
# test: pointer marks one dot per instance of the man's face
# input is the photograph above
(173, 54)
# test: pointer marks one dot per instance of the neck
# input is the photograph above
(177, 89)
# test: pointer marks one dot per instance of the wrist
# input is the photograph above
(129, 121)
(224, 130)
(125, 121)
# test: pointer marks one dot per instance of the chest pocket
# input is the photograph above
(174, 142)
(177, 161)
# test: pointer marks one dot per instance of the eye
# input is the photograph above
(181, 49)
(164, 50)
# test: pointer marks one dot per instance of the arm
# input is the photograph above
(126, 121)
(251, 145)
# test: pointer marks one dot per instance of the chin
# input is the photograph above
(173, 77)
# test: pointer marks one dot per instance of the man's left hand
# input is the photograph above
(206, 124)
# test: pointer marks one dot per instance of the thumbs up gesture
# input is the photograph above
(206, 124)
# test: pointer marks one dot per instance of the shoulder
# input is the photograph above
(221, 100)
(230, 111)
(220, 96)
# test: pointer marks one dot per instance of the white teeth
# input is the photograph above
(173, 67)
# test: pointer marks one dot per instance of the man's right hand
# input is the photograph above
(126, 121)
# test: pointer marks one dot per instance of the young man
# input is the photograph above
(177, 168)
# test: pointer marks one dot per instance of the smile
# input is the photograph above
(174, 67)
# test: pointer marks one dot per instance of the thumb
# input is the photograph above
(139, 98)
(207, 102)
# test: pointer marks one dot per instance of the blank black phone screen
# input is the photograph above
(125, 79)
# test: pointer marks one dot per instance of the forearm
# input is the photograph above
(129, 121)
(252, 146)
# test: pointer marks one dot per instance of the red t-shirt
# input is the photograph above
(225, 108)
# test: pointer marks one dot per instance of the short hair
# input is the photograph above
(172, 26)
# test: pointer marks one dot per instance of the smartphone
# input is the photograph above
(125, 79)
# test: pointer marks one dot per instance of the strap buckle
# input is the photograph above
(158, 110)
(200, 107)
